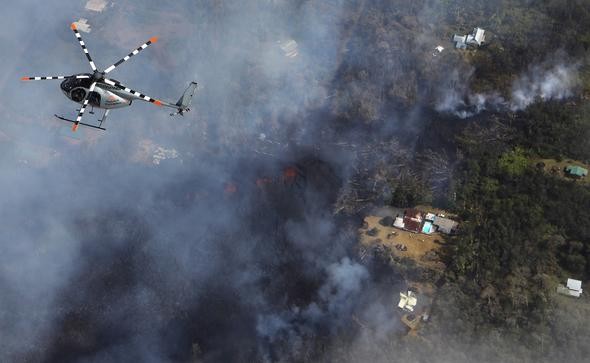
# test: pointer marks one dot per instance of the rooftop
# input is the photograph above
(574, 284)
(413, 214)
(576, 170)
(96, 5)
(289, 48)
(445, 224)
(412, 225)
(407, 301)
(476, 38)
(573, 288)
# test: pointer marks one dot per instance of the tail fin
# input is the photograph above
(185, 101)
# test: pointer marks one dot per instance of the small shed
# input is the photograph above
(573, 288)
(576, 171)
(398, 223)
(96, 5)
(407, 301)
(437, 50)
(289, 48)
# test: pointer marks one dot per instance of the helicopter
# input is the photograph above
(96, 90)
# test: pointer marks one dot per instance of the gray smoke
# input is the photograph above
(110, 242)
(169, 239)
(542, 82)
(538, 84)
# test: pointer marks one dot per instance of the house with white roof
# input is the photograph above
(407, 301)
(573, 288)
(475, 39)
(96, 5)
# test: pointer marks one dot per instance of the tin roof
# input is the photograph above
(412, 225)
(96, 5)
(478, 35)
(576, 170)
(445, 223)
(574, 284)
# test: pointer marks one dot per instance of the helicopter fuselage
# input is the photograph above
(104, 95)
(96, 90)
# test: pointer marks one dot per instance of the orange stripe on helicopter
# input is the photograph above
(74, 127)
(25, 78)
(73, 26)
(153, 39)
(158, 103)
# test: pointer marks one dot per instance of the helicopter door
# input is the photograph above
(94, 99)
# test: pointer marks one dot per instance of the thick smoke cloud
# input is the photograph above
(128, 243)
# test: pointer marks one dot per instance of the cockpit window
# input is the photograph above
(71, 83)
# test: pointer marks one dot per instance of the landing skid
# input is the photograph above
(80, 123)
(99, 127)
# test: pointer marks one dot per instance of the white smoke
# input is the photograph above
(547, 81)
(556, 83)
(345, 279)
(335, 299)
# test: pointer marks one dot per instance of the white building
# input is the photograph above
(476, 39)
(96, 5)
(289, 48)
(437, 50)
(407, 301)
(573, 288)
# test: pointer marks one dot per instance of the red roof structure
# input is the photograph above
(413, 220)
(412, 225)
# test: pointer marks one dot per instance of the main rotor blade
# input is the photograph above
(135, 52)
(83, 109)
(50, 78)
(137, 94)
(79, 37)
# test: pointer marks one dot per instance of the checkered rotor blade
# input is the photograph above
(79, 37)
(135, 52)
(52, 77)
(139, 95)
(83, 108)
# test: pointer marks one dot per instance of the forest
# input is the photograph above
(524, 229)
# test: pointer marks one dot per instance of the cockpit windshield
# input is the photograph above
(71, 83)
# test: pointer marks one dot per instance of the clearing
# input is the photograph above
(421, 248)
(556, 168)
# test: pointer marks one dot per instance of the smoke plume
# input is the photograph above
(543, 82)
